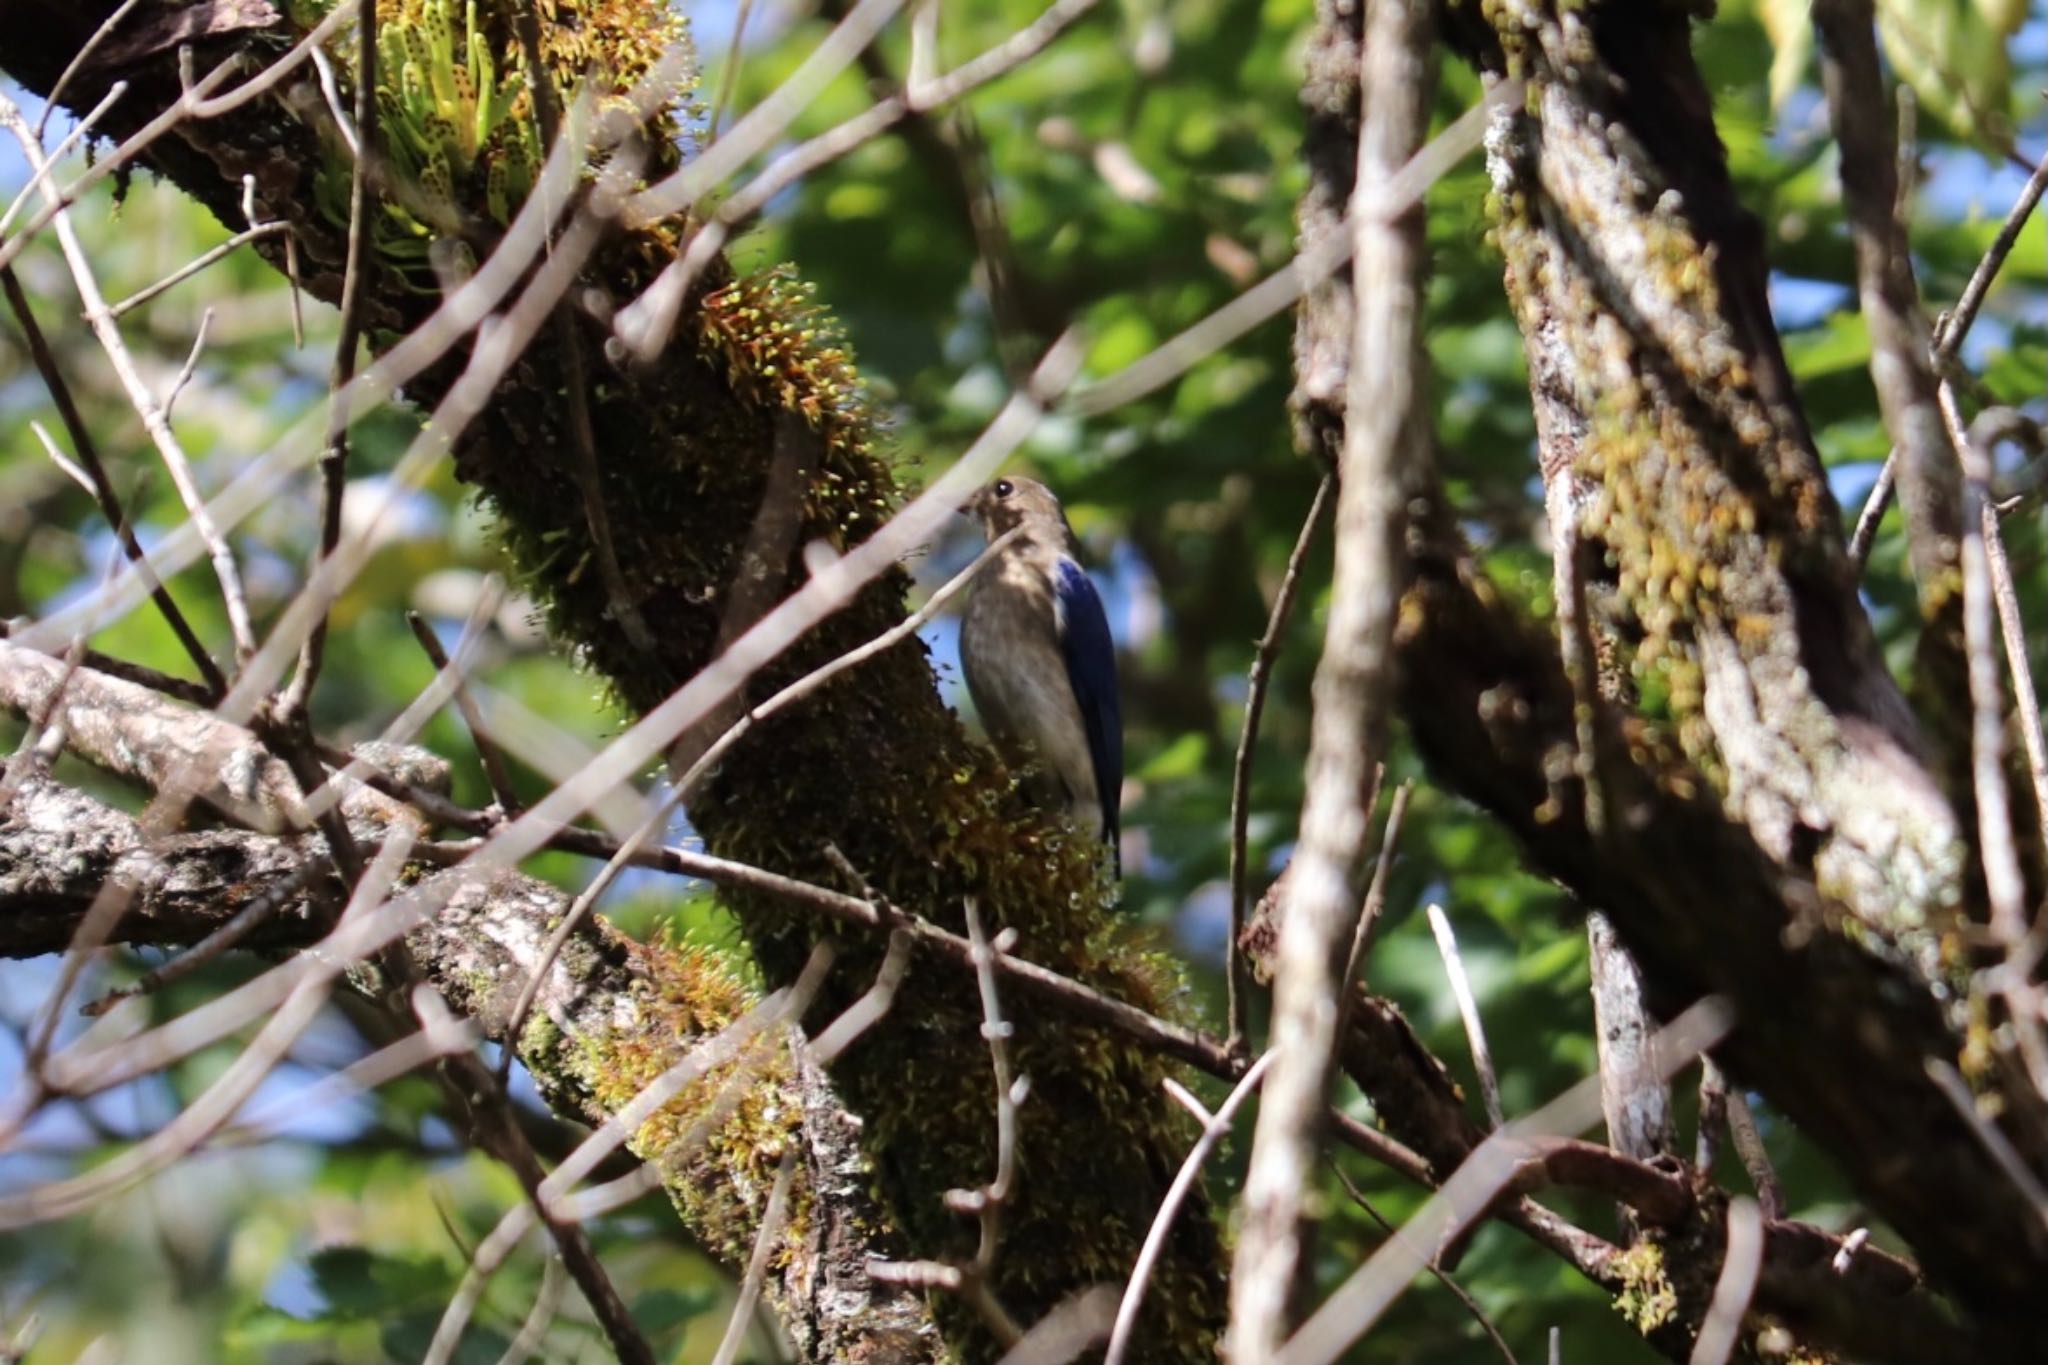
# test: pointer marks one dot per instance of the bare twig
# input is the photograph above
(140, 398)
(729, 78)
(1468, 1010)
(546, 1303)
(645, 324)
(1214, 1128)
(987, 1203)
(1865, 535)
(548, 1198)
(1744, 1258)
(2004, 883)
(757, 1263)
(196, 265)
(87, 451)
(200, 1119)
(1376, 893)
(1238, 970)
(358, 269)
(219, 941)
(1992, 426)
(1749, 1145)
(1400, 190)
(191, 365)
(657, 821)
(495, 771)
(1074, 1324)
(78, 60)
(1949, 331)
(1435, 1268)
(1358, 1303)
(756, 132)
(1997, 1144)
(1385, 449)
(1901, 366)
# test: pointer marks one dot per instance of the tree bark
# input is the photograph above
(879, 770)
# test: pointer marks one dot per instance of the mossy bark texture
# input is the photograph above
(1773, 832)
(874, 766)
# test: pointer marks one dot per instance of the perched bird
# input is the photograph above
(1039, 661)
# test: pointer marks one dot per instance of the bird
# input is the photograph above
(1040, 664)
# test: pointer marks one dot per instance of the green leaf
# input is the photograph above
(1840, 343)
(1953, 55)
(1181, 759)
(1790, 26)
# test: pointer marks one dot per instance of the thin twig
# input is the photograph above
(1375, 905)
(358, 269)
(1865, 535)
(1992, 426)
(204, 1116)
(78, 61)
(196, 265)
(1214, 1128)
(1756, 1159)
(2000, 1148)
(1435, 1267)
(1744, 1258)
(64, 149)
(729, 78)
(208, 949)
(1237, 975)
(140, 398)
(1468, 1010)
(546, 1303)
(1949, 331)
(646, 323)
(191, 365)
(1902, 367)
(757, 1264)
(2004, 883)
(988, 1202)
(1386, 452)
(853, 658)
(88, 453)
(548, 1199)
(493, 761)
(686, 786)
(1073, 1325)
(1396, 194)
(1360, 1301)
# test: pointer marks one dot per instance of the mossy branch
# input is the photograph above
(880, 770)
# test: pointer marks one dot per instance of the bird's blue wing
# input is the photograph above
(1091, 670)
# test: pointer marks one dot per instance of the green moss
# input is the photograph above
(458, 131)
(872, 766)
(1647, 1298)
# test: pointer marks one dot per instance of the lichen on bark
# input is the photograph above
(1669, 427)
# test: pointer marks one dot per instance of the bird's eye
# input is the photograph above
(1004, 488)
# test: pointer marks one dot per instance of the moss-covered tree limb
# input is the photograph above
(1665, 409)
(1638, 279)
(877, 768)
(606, 997)
(610, 1015)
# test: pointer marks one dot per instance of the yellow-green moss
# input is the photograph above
(1647, 1298)
(459, 137)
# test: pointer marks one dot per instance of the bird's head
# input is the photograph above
(1012, 502)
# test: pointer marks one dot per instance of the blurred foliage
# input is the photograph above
(1146, 168)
